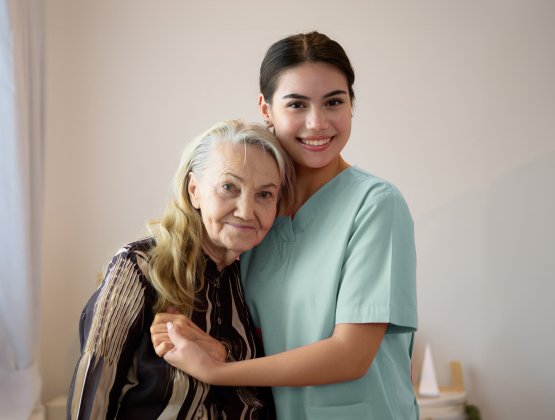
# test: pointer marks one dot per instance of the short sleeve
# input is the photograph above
(378, 277)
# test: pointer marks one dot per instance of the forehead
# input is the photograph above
(242, 159)
(311, 77)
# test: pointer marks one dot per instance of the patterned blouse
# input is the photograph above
(119, 375)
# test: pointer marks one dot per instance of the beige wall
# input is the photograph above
(455, 105)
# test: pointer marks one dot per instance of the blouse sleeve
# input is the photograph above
(110, 332)
(378, 277)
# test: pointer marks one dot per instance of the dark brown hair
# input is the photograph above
(312, 47)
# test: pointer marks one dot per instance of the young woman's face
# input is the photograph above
(237, 196)
(311, 113)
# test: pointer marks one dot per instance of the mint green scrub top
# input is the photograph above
(348, 256)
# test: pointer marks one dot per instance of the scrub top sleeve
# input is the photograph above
(378, 277)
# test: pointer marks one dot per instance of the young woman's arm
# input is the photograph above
(345, 356)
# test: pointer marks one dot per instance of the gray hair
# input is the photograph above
(197, 153)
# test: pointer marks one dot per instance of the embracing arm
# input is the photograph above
(382, 225)
(345, 356)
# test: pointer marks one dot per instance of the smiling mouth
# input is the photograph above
(316, 142)
(244, 228)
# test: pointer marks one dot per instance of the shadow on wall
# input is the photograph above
(486, 285)
(451, 287)
(520, 272)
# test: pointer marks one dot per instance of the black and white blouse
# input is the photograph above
(119, 375)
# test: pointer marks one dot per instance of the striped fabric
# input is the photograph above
(120, 376)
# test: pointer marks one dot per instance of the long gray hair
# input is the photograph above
(176, 264)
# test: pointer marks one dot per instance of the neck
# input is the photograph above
(310, 180)
(222, 257)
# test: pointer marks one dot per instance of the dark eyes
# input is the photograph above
(296, 105)
(231, 188)
(334, 102)
(331, 103)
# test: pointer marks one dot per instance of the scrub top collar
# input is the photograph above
(287, 230)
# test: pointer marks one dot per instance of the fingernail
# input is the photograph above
(170, 325)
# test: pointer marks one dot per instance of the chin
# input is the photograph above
(239, 247)
(317, 164)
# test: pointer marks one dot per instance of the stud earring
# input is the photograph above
(266, 122)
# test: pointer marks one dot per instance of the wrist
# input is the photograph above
(226, 354)
(215, 373)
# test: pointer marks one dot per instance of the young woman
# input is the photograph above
(231, 183)
(333, 285)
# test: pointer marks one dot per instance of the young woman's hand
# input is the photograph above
(162, 342)
(190, 357)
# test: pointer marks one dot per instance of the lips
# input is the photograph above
(243, 228)
(315, 143)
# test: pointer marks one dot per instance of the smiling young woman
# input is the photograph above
(332, 285)
(311, 110)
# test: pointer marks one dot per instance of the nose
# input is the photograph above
(316, 120)
(245, 207)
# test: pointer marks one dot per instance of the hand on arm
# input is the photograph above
(345, 356)
(162, 343)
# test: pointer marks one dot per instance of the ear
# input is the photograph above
(194, 191)
(265, 110)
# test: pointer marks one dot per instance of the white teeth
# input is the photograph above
(316, 142)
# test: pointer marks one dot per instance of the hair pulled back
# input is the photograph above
(176, 263)
(295, 50)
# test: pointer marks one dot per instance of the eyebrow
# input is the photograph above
(234, 176)
(306, 98)
(271, 184)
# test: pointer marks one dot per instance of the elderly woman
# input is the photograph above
(232, 182)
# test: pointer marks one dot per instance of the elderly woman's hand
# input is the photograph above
(163, 344)
(190, 357)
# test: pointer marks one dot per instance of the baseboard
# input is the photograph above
(56, 408)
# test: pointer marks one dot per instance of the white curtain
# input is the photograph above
(21, 198)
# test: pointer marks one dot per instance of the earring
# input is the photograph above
(266, 122)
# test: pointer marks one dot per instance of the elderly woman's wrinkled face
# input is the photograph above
(237, 196)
